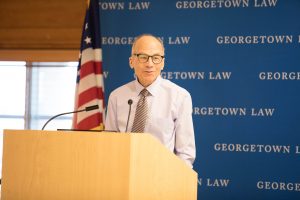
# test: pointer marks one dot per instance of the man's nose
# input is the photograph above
(150, 61)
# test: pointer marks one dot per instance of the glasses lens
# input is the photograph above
(143, 58)
(156, 59)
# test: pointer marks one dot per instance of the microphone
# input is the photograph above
(129, 103)
(89, 108)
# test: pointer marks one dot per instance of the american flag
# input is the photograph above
(90, 87)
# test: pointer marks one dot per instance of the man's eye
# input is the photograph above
(143, 57)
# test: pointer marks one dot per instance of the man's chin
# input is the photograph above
(148, 81)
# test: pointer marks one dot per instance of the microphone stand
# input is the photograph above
(76, 111)
(129, 103)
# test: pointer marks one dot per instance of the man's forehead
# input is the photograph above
(148, 42)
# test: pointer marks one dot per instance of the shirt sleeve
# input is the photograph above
(184, 139)
(111, 119)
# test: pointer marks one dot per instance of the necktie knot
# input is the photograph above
(144, 92)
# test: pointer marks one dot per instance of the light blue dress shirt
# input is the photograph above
(170, 118)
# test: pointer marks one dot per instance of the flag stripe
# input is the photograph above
(89, 68)
(89, 95)
(90, 81)
(91, 54)
(90, 121)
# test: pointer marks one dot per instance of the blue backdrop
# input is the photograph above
(240, 61)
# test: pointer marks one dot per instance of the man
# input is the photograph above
(159, 107)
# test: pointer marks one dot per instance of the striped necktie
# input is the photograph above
(141, 113)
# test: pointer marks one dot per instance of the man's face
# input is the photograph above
(147, 72)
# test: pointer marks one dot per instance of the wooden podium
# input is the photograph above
(57, 165)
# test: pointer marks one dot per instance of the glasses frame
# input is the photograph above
(138, 54)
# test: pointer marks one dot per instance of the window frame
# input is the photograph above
(30, 56)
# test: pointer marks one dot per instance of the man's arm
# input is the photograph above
(185, 138)
(111, 119)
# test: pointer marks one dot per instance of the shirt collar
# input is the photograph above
(153, 88)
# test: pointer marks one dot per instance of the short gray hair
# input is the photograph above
(147, 34)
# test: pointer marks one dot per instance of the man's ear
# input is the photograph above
(130, 62)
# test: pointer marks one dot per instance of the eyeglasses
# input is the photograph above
(143, 58)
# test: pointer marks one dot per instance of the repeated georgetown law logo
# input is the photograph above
(202, 4)
(205, 4)
(255, 39)
(128, 40)
(108, 5)
(279, 76)
(233, 111)
(214, 182)
(194, 75)
(276, 185)
(255, 148)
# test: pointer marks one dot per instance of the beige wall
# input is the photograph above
(36, 29)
